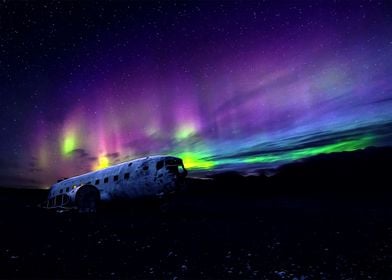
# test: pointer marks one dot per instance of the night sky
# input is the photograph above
(224, 85)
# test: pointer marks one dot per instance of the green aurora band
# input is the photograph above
(202, 159)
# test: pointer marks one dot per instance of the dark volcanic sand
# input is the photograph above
(206, 233)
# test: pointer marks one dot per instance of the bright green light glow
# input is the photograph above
(193, 160)
(69, 143)
(344, 146)
(185, 132)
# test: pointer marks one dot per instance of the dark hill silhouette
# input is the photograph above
(359, 171)
(356, 172)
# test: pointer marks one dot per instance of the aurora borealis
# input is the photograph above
(223, 85)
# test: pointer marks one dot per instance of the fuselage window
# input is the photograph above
(126, 176)
(129, 164)
(88, 183)
(97, 182)
(115, 178)
(67, 190)
(145, 167)
(159, 164)
(106, 180)
(61, 191)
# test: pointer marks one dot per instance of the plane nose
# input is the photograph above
(182, 172)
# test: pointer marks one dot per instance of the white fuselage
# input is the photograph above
(144, 177)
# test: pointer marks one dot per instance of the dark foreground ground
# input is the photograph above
(327, 218)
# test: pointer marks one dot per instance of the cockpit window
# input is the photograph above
(181, 169)
(172, 168)
(175, 166)
(173, 161)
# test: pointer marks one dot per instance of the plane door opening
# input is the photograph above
(87, 198)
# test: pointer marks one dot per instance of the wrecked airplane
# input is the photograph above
(153, 176)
